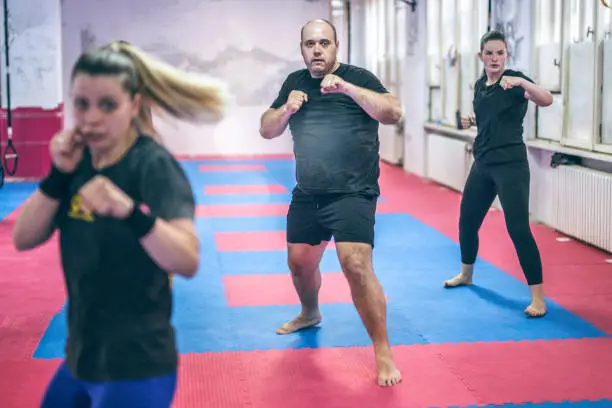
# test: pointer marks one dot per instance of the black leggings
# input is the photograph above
(511, 183)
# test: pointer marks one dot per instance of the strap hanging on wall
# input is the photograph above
(10, 157)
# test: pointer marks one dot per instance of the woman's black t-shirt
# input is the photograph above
(499, 119)
(119, 300)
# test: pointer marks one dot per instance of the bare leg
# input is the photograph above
(370, 302)
(304, 262)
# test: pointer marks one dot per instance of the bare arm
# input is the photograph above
(538, 95)
(274, 122)
(34, 224)
(174, 246)
(383, 107)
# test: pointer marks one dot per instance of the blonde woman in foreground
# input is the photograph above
(124, 211)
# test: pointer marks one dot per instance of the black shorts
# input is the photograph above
(345, 217)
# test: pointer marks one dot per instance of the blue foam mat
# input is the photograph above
(411, 261)
(12, 195)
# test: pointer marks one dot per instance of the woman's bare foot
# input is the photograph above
(463, 279)
(537, 308)
(300, 322)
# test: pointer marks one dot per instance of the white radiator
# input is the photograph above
(582, 205)
(448, 161)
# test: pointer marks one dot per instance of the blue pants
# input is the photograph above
(65, 391)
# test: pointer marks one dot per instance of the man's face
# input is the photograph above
(319, 48)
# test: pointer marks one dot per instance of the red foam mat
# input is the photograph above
(277, 289)
(24, 382)
(246, 189)
(241, 210)
(307, 378)
(434, 375)
(537, 371)
(253, 241)
(231, 167)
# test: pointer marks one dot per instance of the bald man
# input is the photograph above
(333, 111)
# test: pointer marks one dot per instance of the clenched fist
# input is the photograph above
(295, 101)
(104, 198)
(66, 150)
(468, 121)
(333, 84)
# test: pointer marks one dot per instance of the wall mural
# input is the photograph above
(509, 17)
(237, 68)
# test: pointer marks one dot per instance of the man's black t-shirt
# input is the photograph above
(119, 299)
(335, 141)
(499, 119)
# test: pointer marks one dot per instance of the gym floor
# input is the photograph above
(469, 346)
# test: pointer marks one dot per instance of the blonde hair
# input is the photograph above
(164, 88)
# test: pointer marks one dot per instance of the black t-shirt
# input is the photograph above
(119, 299)
(499, 119)
(335, 141)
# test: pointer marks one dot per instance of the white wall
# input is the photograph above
(34, 54)
(251, 44)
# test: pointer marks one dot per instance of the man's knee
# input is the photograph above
(356, 261)
(304, 258)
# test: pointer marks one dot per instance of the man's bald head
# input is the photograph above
(319, 47)
(319, 21)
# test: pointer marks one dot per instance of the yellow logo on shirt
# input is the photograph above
(77, 212)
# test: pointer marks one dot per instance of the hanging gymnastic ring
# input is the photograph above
(10, 153)
(1, 175)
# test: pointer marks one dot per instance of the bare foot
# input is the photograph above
(299, 323)
(388, 374)
(537, 308)
(459, 280)
(463, 279)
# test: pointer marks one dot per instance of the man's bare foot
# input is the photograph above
(388, 374)
(299, 323)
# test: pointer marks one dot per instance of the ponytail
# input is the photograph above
(164, 89)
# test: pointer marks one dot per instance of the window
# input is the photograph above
(473, 22)
(450, 66)
(549, 51)
(434, 55)
(604, 38)
(580, 112)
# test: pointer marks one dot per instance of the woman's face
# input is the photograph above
(103, 109)
(493, 56)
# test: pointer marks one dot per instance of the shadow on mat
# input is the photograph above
(495, 298)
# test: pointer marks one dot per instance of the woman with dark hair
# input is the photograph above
(124, 210)
(500, 165)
